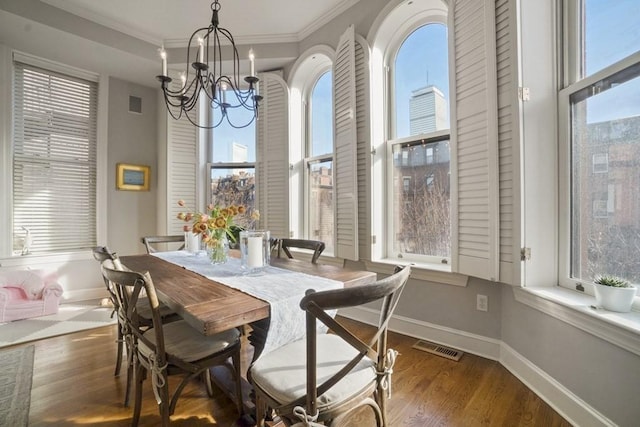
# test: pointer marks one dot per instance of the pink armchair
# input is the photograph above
(27, 293)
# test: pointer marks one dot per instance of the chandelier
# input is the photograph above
(226, 95)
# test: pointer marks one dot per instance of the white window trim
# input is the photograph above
(7, 258)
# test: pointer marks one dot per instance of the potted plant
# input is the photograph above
(614, 293)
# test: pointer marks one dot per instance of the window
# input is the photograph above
(54, 160)
(418, 174)
(601, 101)
(319, 163)
(232, 177)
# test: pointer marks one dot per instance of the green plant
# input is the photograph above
(613, 281)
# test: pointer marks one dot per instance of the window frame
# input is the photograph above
(100, 82)
(430, 261)
(572, 84)
(307, 159)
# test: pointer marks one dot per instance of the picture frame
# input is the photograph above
(132, 177)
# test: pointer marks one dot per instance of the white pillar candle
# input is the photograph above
(163, 55)
(200, 50)
(254, 252)
(251, 61)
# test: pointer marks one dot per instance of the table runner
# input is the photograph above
(282, 289)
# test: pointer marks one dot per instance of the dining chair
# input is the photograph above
(172, 348)
(150, 242)
(314, 245)
(322, 378)
(101, 254)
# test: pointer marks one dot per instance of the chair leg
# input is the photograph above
(261, 410)
(165, 406)
(206, 378)
(237, 369)
(140, 373)
(120, 350)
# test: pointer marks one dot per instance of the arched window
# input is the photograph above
(418, 170)
(319, 162)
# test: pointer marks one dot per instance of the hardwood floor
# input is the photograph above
(73, 385)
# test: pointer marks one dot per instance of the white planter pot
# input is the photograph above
(614, 299)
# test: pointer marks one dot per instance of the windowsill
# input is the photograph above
(576, 308)
(427, 272)
(38, 259)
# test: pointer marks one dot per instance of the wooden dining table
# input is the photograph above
(212, 307)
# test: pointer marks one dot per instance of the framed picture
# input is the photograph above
(132, 177)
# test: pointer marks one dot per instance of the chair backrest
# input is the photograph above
(150, 242)
(314, 245)
(130, 286)
(316, 304)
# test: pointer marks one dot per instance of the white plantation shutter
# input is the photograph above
(182, 166)
(508, 141)
(54, 159)
(474, 132)
(272, 148)
(363, 137)
(345, 147)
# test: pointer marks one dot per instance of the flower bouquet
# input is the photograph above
(215, 227)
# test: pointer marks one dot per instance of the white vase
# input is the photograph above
(614, 299)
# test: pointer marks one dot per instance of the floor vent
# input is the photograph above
(439, 350)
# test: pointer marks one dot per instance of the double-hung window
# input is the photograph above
(600, 137)
(54, 160)
(418, 154)
(319, 163)
(232, 177)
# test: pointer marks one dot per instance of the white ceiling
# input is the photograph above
(171, 22)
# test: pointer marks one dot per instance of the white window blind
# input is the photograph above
(54, 160)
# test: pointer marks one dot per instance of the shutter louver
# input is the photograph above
(345, 148)
(507, 145)
(182, 167)
(363, 147)
(475, 136)
(54, 159)
(272, 146)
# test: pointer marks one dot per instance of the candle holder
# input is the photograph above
(255, 250)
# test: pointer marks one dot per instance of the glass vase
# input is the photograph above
(218, 248)
(255, 250)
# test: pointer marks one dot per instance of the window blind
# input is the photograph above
(54, 160)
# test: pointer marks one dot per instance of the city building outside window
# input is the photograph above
(600, 105)
(419, 170)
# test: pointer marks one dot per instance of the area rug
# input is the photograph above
(70, 318)
(15, 385)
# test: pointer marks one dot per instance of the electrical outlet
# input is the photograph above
(482, 302)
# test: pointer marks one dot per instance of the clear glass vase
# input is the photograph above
(218, 248)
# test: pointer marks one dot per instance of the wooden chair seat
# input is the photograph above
(183, 342)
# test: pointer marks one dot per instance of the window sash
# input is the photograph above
(54, 160)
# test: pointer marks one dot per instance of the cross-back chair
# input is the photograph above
(151, 242)
(101, 254)
(172, 348)
(323, 378)
(316, 246)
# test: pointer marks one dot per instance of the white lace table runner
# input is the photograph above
(282, 289)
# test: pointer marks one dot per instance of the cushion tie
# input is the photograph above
(305, 420)
(384, 376)
(157, 379)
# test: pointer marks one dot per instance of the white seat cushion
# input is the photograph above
(282, 373)
(188, 344)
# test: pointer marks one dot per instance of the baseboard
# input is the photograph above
(471, 343)
(84, 294)
(567, 404)
(562, 400)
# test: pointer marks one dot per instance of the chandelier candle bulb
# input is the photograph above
(252, 62)
(200, 50)
(163, 55)
(183, 78)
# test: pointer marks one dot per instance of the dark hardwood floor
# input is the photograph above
(73, 385)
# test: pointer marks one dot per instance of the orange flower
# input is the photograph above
(241, 210)
(220, 222)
